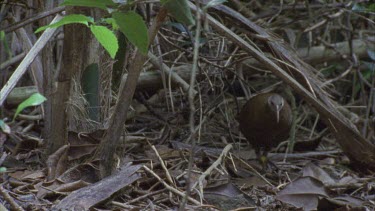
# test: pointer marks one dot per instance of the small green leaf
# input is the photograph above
(4, 127)
(33, 100)
(213, 3)
(102, 4)
(106, 38)
(111, 22)
(68, 20)
(3, 169)
(134, 28)
(180, 10)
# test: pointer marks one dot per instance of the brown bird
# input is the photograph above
(265, 121)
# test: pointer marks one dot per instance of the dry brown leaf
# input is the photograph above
(303, 193)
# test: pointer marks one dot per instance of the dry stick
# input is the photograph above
(170, 188)
(191, 96)
(21, 69)
(122, 205)
(159, 60)
(212, 167)
(30, 117)
(111, 139)
(342, 75)
(314, 126)
(27, 128)
(280, 156)
(28, 20)
(256, 172)
(292, 132)
(175, 77)
(12, 61)
(170, 180)
(142, 197)
(370, 102)
(19, 123)
(9, 199)
(19, 94)
(170, 79)
(3, 157)
(36, 69)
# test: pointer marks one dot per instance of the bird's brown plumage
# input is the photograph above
(258, 121)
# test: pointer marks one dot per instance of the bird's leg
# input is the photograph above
(265, 162)
(262, 156)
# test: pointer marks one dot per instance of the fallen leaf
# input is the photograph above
(303, 193)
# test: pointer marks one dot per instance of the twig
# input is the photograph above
(17, 74)
(3, 157)
(170, 188)
(12, 60)
(144, 196)
(212, 167)
(175, 77)
(280, 156)
(32, 19)
(292, 132)
(9, 199)
(257, 173)
(163, 165)
(191, 96)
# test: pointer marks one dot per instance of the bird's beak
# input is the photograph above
(278, 114)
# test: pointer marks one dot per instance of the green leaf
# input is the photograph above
(111, 22)
(106, 38)
(102, 4)
(3, 169)
(33, 100)
(180, 10)
(213, 3)
(4, 127)
(134, 28)
(68, 20)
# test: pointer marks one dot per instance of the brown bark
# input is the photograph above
(111, 139)
(74, 48)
